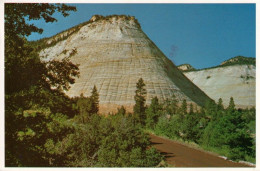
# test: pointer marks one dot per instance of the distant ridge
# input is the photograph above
(237, 60)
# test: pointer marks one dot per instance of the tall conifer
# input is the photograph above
(139, 107)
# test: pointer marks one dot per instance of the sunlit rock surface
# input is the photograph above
(237, 81)
(113, 53)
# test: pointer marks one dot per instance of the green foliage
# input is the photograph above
(210, 109)
(139, 107)
(41, 126)
(20, 58)
(121, 111)
(88, 106)
(95, 100)
(153, 113)
(191, 109)
(231, 106)
(220, 106)
(183, 108)
(84, 104)
(169, 127)
(28, 142)
(60, 74)
(170, 106)
(239, 60)
(107, 142)
(228, 131)
(126, 146)
(33, 89)
(190, 127)
(16, 15)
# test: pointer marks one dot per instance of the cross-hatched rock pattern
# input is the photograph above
(114, 53)
(237, 81)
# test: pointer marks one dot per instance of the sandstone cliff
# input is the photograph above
(113, 53)
(237, 81)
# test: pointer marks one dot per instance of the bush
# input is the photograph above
(111, 141)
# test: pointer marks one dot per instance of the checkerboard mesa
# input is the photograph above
(113, 53)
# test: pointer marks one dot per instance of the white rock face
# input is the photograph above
(237, 81)
(113, 54)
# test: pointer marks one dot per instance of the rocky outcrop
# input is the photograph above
(186, 67)
(113, 53)
(237, 81)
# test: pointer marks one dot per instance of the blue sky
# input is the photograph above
(202, 35)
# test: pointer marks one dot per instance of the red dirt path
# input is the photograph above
(180, 155)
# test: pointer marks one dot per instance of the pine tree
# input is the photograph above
(170, 105)
(231, 106)
(220, 104)
(211, 109)
(121, 110)
(80, 104)
(153, 113)
(85, 106)
(139, 107)
(95, 100)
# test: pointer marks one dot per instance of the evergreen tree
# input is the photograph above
(231, 106)
(34, 89)
(139, 107)
(190, 127)
(229, 132)
(95, 100)
(170, 105)
(85, 106)
(88, 106)
(153, 113)
(121, 110)
(220, 104)
(211, 109)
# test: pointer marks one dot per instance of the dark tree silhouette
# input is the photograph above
(139, 107)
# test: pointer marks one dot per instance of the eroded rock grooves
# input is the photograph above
(113, 53)
(237, 81)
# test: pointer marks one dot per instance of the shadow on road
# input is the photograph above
(154, 143)
(167, 155)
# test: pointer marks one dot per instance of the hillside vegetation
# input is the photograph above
(237, 60)
(226, 131)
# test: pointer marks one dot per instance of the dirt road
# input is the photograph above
(180, 155)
